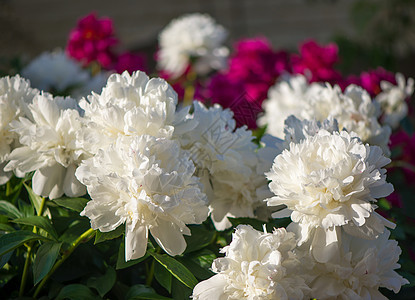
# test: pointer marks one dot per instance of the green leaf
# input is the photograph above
(179, 291)
(149, 296)
(75, 229)
(122, 264)
(36, 201)
(199, 272)
(76, 204)
(76, 292)
(176, 269)
(204, 258)
(41, 222)
(104, 283)
(6, 228)
(9, 210)
(199, 239)
(140, 291)
(104, 236)
(12, 240)
(46, 256)
(4, 259)
(163, 277)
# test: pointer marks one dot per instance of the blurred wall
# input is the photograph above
(32, 26)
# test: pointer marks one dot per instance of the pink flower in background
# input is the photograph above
(317, 62)
(253, 69)
(370, 80)
(131, 62)
(92, 40)
(406, 145)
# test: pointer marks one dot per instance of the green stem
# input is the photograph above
(189, 91)
(42, 206)
(8, 188)
(150, 274)
(29, 253)
(25, 269)
(86, 236)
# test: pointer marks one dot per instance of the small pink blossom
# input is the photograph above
(317, 62)
(129, 61)
(92, 40)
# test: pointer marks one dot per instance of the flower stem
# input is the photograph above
(29, 253)
(25, 269)
(150, 274)
(189, 91)
(86, 236)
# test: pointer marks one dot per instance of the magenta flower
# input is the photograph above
(317, 62)
(253, 69)
(404, 144)
(370, 80)
(92, 40)
(131, 62)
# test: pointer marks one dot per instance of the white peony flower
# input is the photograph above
(15, 95)
(354, 110)
(227, 164)
(148, 184)
(297, 130)
(256, 266)
(363, 266)
(330, 180)
(393, 100)
(193, 36)
(49, 146)
(55, 70)
(132, 105)
(285, 98)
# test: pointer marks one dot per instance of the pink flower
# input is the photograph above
(92, 40)
(317, 62)
(253, 69)
(131, 62)
(370, 80)
(404, 144)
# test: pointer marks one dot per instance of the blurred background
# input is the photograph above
(369, 33)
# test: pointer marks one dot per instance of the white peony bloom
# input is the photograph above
(55, 70)
(297, 130)
(148, 184)
(331, 180)
(15, 95)
(393, 100)
(285, 98)
(49, 146)
(193, 36)
(216, 144)
(354, 110)
(363, 266)
(256, 266)
(132, 105)
(227, 164)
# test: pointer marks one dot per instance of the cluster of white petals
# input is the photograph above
(55, 70)
(131, 105)
(393, 100)
(148, 184)
(362, 266)
(229, 166)
(285, 98)
(256, 266)
(15, 96)
(49, 146)
(354, 109)
(330, 180)
(194, 36)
